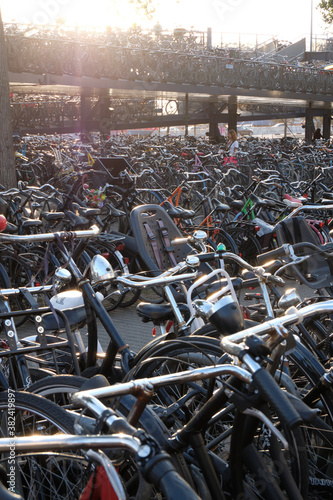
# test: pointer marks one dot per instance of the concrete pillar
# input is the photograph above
(186, 115)
(104, 117)
(232, 113)
(327, 124)
(309, 125)
(209, 38)
(85, 106)
(214, 132)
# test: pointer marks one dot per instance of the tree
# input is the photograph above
(7, 159)
(326, 8)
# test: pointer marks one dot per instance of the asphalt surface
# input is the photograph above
(135, 332)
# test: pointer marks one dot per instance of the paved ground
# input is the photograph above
(136, 333)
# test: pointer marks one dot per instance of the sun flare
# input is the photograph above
(285, 18)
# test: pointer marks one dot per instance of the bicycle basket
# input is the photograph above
(110, 171)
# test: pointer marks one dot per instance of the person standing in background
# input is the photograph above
(232, 144)
(232, 147)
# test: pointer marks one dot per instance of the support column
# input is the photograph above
(309, 125)
(85, 112)
(209, 38)
(186, 115)
(104, 118)
(327, 124)
(214, 132)
(232, 113)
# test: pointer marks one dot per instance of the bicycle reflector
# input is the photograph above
(3, 222)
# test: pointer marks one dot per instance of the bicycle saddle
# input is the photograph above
(177, 212)
(87, 211)
(235, 204)
(25, 222)
(10, 228)
(220, 207)
(158, 313)
(76, 221)
(52, 216)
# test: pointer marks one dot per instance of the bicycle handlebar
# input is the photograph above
(160, 280)
(308, 207)
(231, 343)
(132, 386)
(161, 472)
(157, 469)
(287, 250)
(64, 236)
(272, 393)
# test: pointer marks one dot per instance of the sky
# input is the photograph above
(286, 19)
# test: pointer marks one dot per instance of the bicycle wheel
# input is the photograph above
(307, 372)
(257, 458)
(224, 238)
(59, 388)
(37, 476)
(319, 445)
(20, 276)
(247, 244)
(176, 403)
(4, 281)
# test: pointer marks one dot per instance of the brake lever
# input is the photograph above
(294, 262)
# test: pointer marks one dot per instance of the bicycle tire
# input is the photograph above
(308, 371)
(249, 442)
(60, 387)
(35, 476)
(19, 276)
(171, 356)
(248, 246)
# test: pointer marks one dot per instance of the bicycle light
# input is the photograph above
(225, 314)
(101, 269)
(289, 298)
(62, 275)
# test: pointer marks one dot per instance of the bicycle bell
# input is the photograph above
(200, 235)
(225, 314)
(192, 261)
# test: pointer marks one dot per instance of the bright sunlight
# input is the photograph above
(290, 18)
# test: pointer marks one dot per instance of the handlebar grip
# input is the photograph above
(208, 257)
(273, 394)
(273, 254)
(161, 472)
(174, 486)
